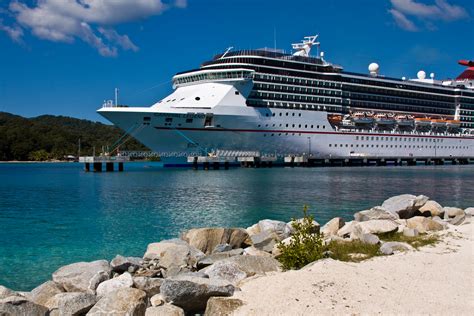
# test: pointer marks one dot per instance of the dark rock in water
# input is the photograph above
(222, 306)
(404, 205)
(222, 248)
(151, 286)
(75, 303)
(164, 310)
(82, 276)
(17, 305)
(44, 293)
(121, 264)
(192, 293)
(207, 239)
(126, 301)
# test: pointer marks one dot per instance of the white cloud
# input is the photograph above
(427, 13)
(14, 32)
(91, 21)
(402, 21)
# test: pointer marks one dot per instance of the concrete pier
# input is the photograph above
(97, 163)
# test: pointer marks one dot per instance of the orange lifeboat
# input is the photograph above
(335, 119)
(422, 121)
(438, 122)
(453, 123)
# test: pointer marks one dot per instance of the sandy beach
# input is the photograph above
(435, 280)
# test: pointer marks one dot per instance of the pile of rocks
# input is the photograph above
(199, 272)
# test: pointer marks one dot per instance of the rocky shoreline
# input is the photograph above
(201, 271)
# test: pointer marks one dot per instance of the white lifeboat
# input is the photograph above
(438, 123)
(363, 118)
(404, 120)
(422, 121)
(384, 119)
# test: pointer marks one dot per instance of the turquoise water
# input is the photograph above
(55, 214)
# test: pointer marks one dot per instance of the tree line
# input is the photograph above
(49, 137)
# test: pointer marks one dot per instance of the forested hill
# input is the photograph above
(53, 137)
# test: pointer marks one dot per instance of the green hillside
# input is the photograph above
(53, 137)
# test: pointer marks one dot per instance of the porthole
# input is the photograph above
(197, 98)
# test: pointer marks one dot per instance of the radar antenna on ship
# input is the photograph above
(303, 48)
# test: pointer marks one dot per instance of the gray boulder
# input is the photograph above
(404, 205)
(265, 241)
(151, 286)
(431, 208)
(374, 213)
(123, 302)
(424, 224)
(281, 229)
(192, 293)
(173, 253)
(228, 271)
(332, 227)
(44, 293)
(82, 276)
(164, 310)
(206, 239)
(6, 292)
(410, 232)
(381, 226)
(252, 251)
(252, 265)
(121, 264)
(221, 306)
(451, 212)
(123, 281)
(389, 248)
(370, 239)
(222, 248)
(75, 303)
(214, 257)
(457, 220)
(17, 305)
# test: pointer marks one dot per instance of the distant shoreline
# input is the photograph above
(31, 161)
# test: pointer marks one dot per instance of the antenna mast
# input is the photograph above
(116, 96)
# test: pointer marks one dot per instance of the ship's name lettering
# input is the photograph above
(181, 115)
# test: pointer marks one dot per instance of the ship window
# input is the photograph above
(236, 92)
(197, 98)
(169, 119)
(286, 113)
(330, 145)
(147, 119)
(189, 120)
(324, 126)
(280, 113)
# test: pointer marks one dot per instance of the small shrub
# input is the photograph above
(354, 251)
(416, 242)
(304, 247)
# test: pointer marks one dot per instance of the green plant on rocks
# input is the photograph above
(304, 246)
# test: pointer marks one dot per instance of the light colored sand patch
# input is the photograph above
(435, 280)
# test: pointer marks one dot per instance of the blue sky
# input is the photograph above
(64, 57)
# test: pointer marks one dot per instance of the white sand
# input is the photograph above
(435, 280)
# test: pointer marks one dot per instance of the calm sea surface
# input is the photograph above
(55, 214)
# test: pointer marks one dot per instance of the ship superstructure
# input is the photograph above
(271, 102)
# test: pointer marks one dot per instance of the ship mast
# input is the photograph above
(303, 49)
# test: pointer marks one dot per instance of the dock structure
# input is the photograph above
(97, 163)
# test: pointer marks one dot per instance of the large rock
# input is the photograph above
(174, 253)
(17, 305)
(192, 293)
(431, 208)
(75, 303)
(451, 212)
(82, 276)
(424, 224)
(382, 226)
(6, 292)
(224, 270)
(121, 264)
(347, 229)
(374, 213)
(469, 211)
(151, 286)
(332, 227)
(123, 302)
(410, 232)
(252, 251)
(253, 230)
(370, 239)
(265, 241)
(214, 257)
(222, 306)
(164, 310)
(254, 265)
(123, 281)
(281, 229)
(206, 239)
(457, 220)
(42, 294)
(404, 205)
(389, 248)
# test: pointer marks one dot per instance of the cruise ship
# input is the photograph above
(269, 102)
